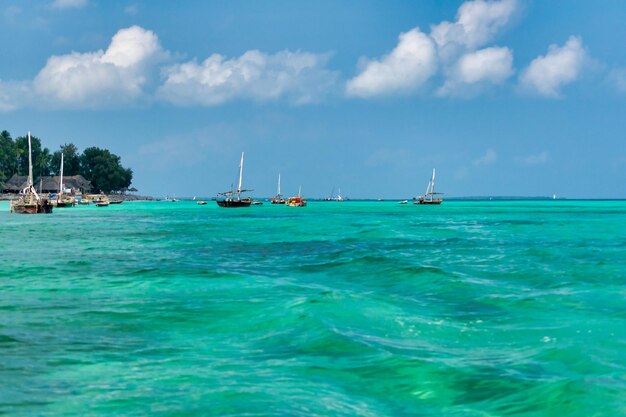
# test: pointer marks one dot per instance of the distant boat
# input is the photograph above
(170, 199)
(61, 199)
(429, 195)
(29, 201)
(101, 200)
(232, 198)
(278, 199)
(116, 201)
(256, 203)
(201, 203)
(403, 202)
(339, 197)
(297, 201)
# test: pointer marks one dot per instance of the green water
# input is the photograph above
(336, 309)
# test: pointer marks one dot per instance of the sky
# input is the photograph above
(503, 98)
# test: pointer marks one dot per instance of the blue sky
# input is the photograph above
(502, 97)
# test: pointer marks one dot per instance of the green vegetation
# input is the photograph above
(100, 166)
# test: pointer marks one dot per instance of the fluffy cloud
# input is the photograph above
(451, 47)
(68, 4)
(407, 67)
(488, 158)
(477, 22)
(618, 79)
(547, 74)
(93, 78)
(538, 159)
(298, 76)
(486, 66)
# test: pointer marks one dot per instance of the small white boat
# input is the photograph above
(403, 202)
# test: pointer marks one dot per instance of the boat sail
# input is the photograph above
(233, 198)
(429, 195)
(29, 201)
(278, 199)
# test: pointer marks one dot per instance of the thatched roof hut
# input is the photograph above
(47, 184)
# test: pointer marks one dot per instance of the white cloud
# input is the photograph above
(131, 9)
(68, 4)
(411, 63)
(486, 66)
(451, 47)
(477, 22)
(95, 78)
(298, 76)
(618, 79)
(537, 159)
(13, 95)
(562, 65)
(11, 14)
(488, 158)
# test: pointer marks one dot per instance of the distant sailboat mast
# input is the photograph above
(432, 185)
(31, 187)
(240, 178)
(30, 164)
(61, 179)
(278, 194)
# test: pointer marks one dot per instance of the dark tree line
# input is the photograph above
(103, 168)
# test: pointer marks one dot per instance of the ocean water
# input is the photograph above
(336, 309)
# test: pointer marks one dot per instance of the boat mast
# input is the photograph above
(278, 185)
(432, 185)
(240, 177)
(61, 179)
(300, 191)
(30, 164)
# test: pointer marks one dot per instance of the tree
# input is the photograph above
(71, 160)
(104, 170)
(8, 160)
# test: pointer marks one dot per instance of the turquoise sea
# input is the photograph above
(336, 309)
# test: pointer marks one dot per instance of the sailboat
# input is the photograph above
(335, 198)
(278, 199)
(297, 201)
(339, 197)
(29, 201)
(429, 195)
(62, 200)
(233, 198)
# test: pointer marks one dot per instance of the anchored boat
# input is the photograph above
(297, 201)
(61, 199)
(278, 199)
(29, 202)
(429, 196)
(232, 198)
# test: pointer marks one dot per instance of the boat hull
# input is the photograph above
(39, 208)
(233, 203)
(428, 202)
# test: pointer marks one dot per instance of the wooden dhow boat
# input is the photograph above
(61, 199)
(429, 195)
(278, 199)
(29, 202)
(232, 198)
